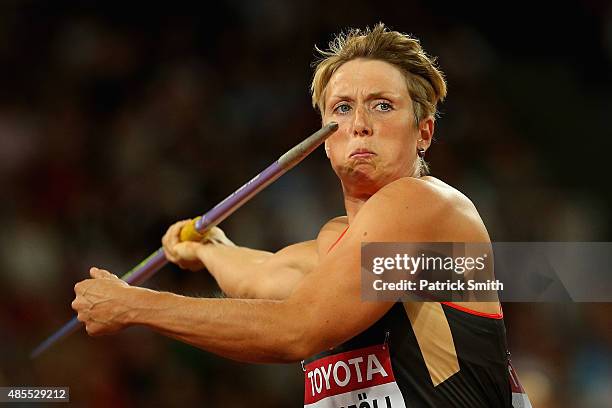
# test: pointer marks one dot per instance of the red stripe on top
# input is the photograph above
(499, 315)
(338, 240)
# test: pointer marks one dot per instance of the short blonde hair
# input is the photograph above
(426, 84)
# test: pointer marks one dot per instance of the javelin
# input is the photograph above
(196, 230)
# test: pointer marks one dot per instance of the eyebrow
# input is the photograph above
(372, 95)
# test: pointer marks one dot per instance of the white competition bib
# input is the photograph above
(350, 379)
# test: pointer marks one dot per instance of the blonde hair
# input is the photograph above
(426, 84)
(425, 81)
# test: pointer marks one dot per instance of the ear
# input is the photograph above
(426, 131)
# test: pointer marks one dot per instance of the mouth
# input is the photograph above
(361, 153)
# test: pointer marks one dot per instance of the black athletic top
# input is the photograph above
(474, 375)
(441, 354)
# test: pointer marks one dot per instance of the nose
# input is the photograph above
(361, 124)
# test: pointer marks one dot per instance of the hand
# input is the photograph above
(189, 254)
(100, 303)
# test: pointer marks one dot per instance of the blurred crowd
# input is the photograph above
(118, 120)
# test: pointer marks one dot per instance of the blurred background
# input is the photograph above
(118, 119)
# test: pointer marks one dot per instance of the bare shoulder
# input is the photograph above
(426, 209)
(335, 224)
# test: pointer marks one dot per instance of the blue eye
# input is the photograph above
(384, 106)
(344, 108)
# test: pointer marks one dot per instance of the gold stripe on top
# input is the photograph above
(435, 339)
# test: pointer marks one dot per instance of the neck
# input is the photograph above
(352, 206)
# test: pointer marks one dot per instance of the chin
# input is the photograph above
(362, 178)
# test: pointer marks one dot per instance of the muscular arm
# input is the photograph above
(247, 273)
(323, 311)
(253, 274)
(242, 272)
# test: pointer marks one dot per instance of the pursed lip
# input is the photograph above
(361, 152)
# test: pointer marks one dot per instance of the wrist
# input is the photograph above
(139, 303)
(204, 252)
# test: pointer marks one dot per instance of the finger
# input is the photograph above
(175, 232)
(174, 229)
(168, 245)
(170, 254)
(183, 249)
(97, 273)
(170, 239)
(179, 250)
(94, 272)
(81, 287)
(97, 330)
(91, 330)
(216, 236)
(187, 252)
(76, 304)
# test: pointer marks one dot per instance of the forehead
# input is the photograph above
(368, 76)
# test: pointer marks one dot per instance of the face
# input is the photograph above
(377, 137)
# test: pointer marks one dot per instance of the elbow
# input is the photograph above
(244, 290)
(298, 351)
(252, 287)
(262, 286)
(302, 343)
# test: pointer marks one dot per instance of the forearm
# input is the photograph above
(260, 331)
(232, 266)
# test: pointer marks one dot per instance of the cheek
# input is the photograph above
(336, 142)
(401, 145)
(336, 155)
(399, 124)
